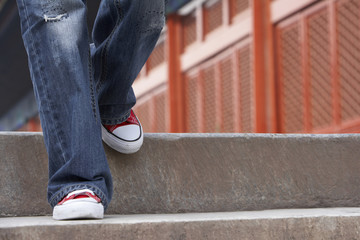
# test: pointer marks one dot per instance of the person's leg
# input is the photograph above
(56, 39)
(125, 33)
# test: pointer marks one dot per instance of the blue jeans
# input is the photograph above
(79, 86)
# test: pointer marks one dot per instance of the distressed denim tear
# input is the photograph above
(53, 11)
(55, 18)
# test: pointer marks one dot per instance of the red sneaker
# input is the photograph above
(126, 137)
(79, 204)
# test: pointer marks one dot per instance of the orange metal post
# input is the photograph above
(272, 96)
(263, 66)
(176, 86)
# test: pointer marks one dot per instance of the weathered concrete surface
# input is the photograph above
(23, 174)
(200, 173)
(294, 224)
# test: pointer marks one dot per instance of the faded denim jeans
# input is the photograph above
(79, 86)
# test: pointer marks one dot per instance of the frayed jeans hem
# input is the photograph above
(116, 120)
(59, 195)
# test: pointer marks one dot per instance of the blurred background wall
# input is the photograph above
(282, 66)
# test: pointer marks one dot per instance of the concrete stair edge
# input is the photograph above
(330, 223)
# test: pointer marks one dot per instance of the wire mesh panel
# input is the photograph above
(227, 95)
(213, 16)
(246, 89)
(291, 80)
(144, 113)
(161, 111)
(157, 57)
(192, 103)
(189, 29)
(210, 100)
(348, 24)
(320, 69)
(238, 6)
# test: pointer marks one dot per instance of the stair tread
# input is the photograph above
(10, 222)
(310, 224)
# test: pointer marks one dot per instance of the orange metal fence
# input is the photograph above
(308, 63)
(318, 56)
(212, 87)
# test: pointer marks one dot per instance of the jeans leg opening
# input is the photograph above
(60, 194)
(115, 120)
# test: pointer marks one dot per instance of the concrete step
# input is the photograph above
(335, 223)
(176, 173)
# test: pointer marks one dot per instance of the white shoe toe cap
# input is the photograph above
(128, 132)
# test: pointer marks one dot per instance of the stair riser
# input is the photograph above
(199, 173)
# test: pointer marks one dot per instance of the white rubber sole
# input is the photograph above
(126, 147)
(79, 210)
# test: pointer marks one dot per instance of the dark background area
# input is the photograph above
(15, 81)
(14, 74)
